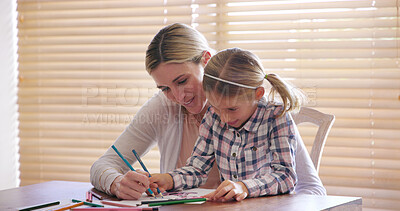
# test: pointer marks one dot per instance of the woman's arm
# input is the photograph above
(308, 180)
(141, 135)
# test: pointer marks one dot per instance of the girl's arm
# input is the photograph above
(199, 164)
(282, 178)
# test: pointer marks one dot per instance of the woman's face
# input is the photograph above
(182, 83)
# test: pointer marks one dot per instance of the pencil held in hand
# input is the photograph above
(129, 165)
(144, 168)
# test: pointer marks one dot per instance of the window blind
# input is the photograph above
(83, 78)
(345, 56)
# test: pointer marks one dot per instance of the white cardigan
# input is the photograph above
(160, 121)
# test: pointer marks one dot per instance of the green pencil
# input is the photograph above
(87, 203)
(176, 202)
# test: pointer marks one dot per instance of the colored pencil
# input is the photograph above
(88, 203)
(70, 207)
(116, 209)
(164, 200)
(129, 165)
(144, 168)
(96, 195)
(154, 201)
(115, 203)
(177, 202)
(89, 196)
(38, 206)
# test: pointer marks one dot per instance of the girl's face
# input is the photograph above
(182, 83)
(233, 111)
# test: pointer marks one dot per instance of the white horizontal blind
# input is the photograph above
(83, 78)
(345, 55)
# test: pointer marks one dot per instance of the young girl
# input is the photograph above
(252, 141)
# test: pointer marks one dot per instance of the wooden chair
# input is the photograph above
(324, 123)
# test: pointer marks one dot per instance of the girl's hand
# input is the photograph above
(162, 181)
(130, 185)
(227, 191)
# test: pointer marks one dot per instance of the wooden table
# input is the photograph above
(12, 199)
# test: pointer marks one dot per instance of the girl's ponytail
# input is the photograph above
(292, 97)
(242, 71)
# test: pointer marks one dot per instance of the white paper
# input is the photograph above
(185, 194)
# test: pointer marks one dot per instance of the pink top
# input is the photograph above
(189, 137)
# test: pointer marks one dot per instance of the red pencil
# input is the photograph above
(115, 204)
(116, 209)
(96, 195)
(89, 196)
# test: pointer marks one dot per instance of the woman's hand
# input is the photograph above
(227, 191)
(130, 185)
(162, 181)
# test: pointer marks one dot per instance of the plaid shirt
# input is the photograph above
(261, 154)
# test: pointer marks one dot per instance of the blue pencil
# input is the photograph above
(144, 168)
(129, 165)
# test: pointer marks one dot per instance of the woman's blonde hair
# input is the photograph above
(243, 67)
(176, 43)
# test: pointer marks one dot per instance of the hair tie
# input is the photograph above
(266, 76)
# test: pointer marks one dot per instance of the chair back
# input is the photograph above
(324, 123)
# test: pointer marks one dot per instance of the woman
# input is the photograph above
(175, 59)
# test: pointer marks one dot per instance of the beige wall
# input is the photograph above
(9, 173)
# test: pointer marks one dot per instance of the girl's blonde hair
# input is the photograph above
(243, 67)
(176, 43)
